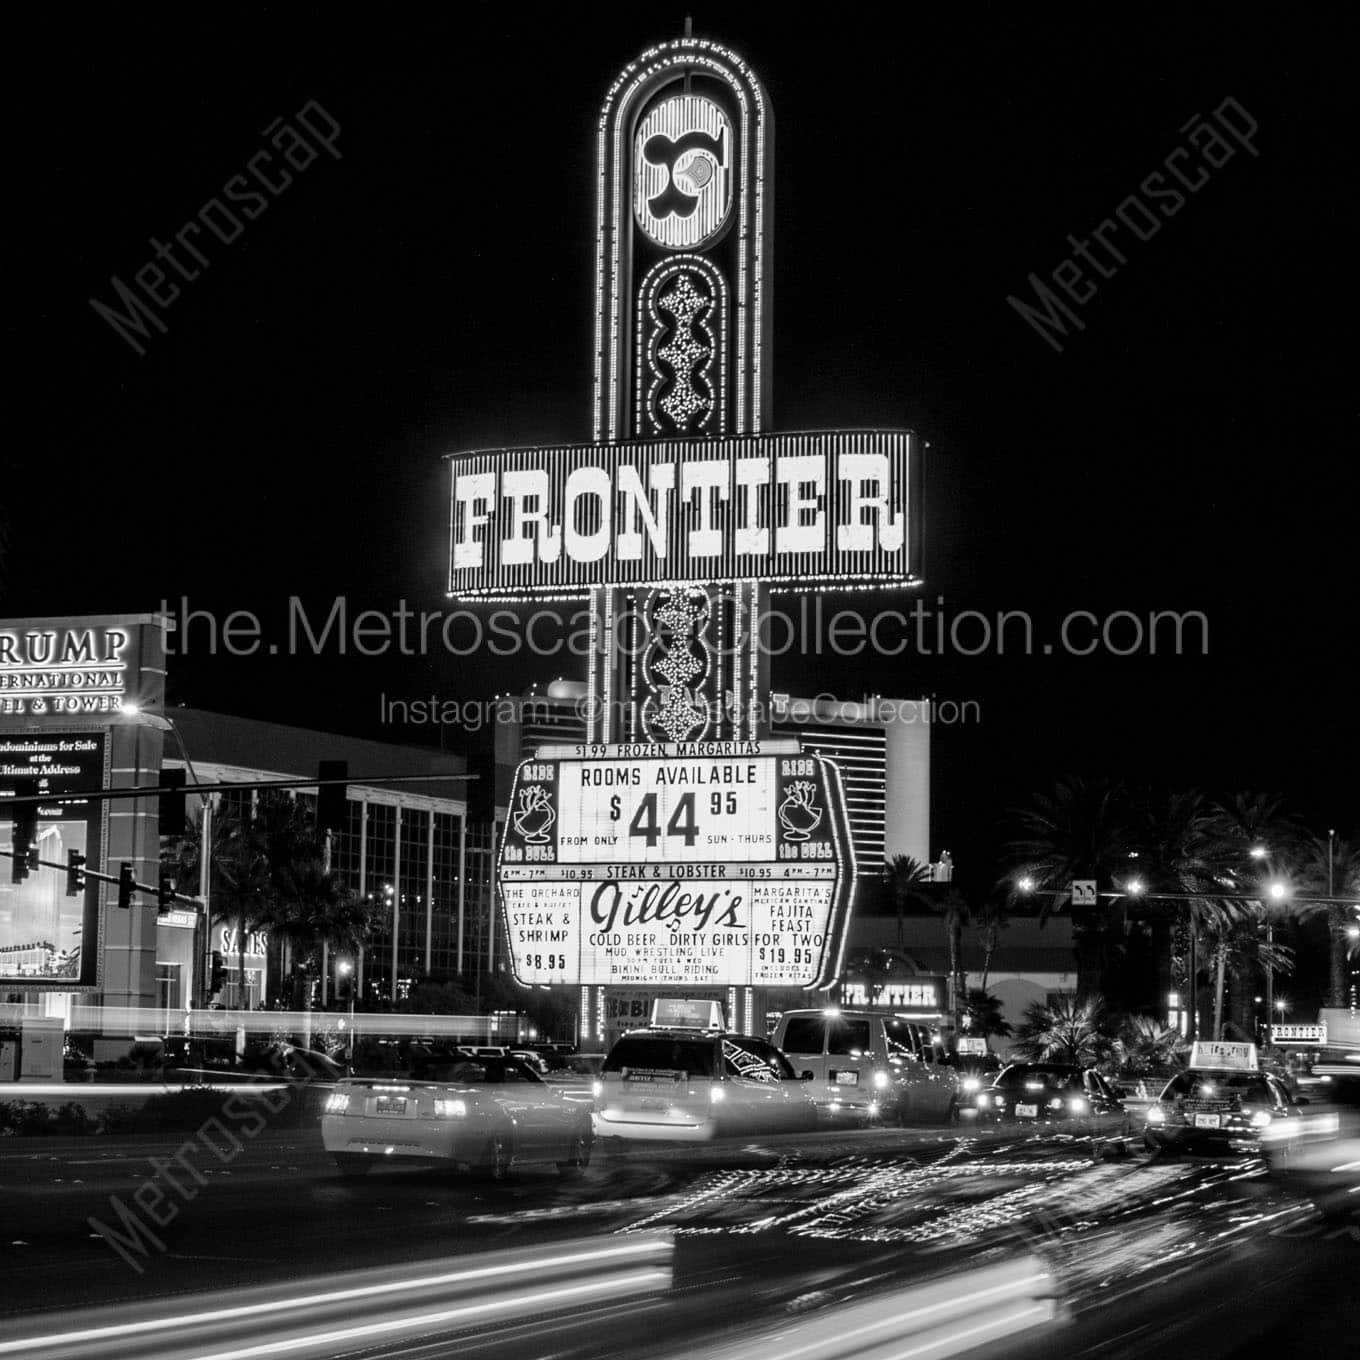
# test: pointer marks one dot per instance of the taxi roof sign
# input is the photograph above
(675, 1012)
(1219, 1055)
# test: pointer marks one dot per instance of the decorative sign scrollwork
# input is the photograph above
(676, 661)
(682, 340)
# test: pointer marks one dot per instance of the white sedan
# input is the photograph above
(482, 1114)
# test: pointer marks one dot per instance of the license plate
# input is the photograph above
(1206, 1121)
(390, 1105)
(845, 1078)
(1027, 1111)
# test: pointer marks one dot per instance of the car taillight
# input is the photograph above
(450, 1109)
(597, 1089)
(716, 1092)
(337, 1102)
(881, 1079)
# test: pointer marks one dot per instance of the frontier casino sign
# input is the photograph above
(832, 507)
(678, 845)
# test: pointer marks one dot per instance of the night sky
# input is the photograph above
(1193, 448)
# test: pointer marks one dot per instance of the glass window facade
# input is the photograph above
(413, 898)
(445, 888)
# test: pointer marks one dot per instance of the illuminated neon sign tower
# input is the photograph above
(678, 845)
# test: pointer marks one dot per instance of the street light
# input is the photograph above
(345, 968)
(130, 709)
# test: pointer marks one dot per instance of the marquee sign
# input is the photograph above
(701, 864)
(830, 507)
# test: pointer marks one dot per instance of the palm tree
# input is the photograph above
(1252, 838)
(1238, 949)
(239, 875)
(1150, 1047)
(954, 911)
(1334, 874)
(984, 1014)
(1068, 1030)
(1181, 856)
(907, 881)
(310, 907)
(989, 922)
(1084, 829)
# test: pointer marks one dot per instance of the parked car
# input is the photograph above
(869, 1065)
(490, 1114)
(692, 1085)
(1054, 1093)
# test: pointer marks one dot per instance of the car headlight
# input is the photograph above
(716, 1093)
(1055, 1103)
(880, 1079)
(970, 1084)
(1156, 1115)
(1260, 1119)
(983, 1101)
(337, 1102)
(1077, 1105)
(450, 1109)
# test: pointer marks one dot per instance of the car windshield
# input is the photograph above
(1246, 1086)
(694, 1057)
(1018, 1074)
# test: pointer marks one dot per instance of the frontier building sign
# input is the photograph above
(831, 507)
(678, 846)
(692, 865)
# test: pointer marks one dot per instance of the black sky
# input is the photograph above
(1193, 448)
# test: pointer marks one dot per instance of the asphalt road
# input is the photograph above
(1200, 1255)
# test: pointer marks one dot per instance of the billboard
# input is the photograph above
(697, 864)
(47, 937)
(837, 507)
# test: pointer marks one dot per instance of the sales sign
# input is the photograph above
(688, 864)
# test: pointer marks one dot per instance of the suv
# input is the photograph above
(691, 1085)
(868, 1064)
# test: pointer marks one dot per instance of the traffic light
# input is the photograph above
(217, 976)
(24, 839)
(331, 799)
(165, 894)
(126, 885)
(172, 820)
(75, 873)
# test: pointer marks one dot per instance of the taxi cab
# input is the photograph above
(1223, 1102)
(686, 1078)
